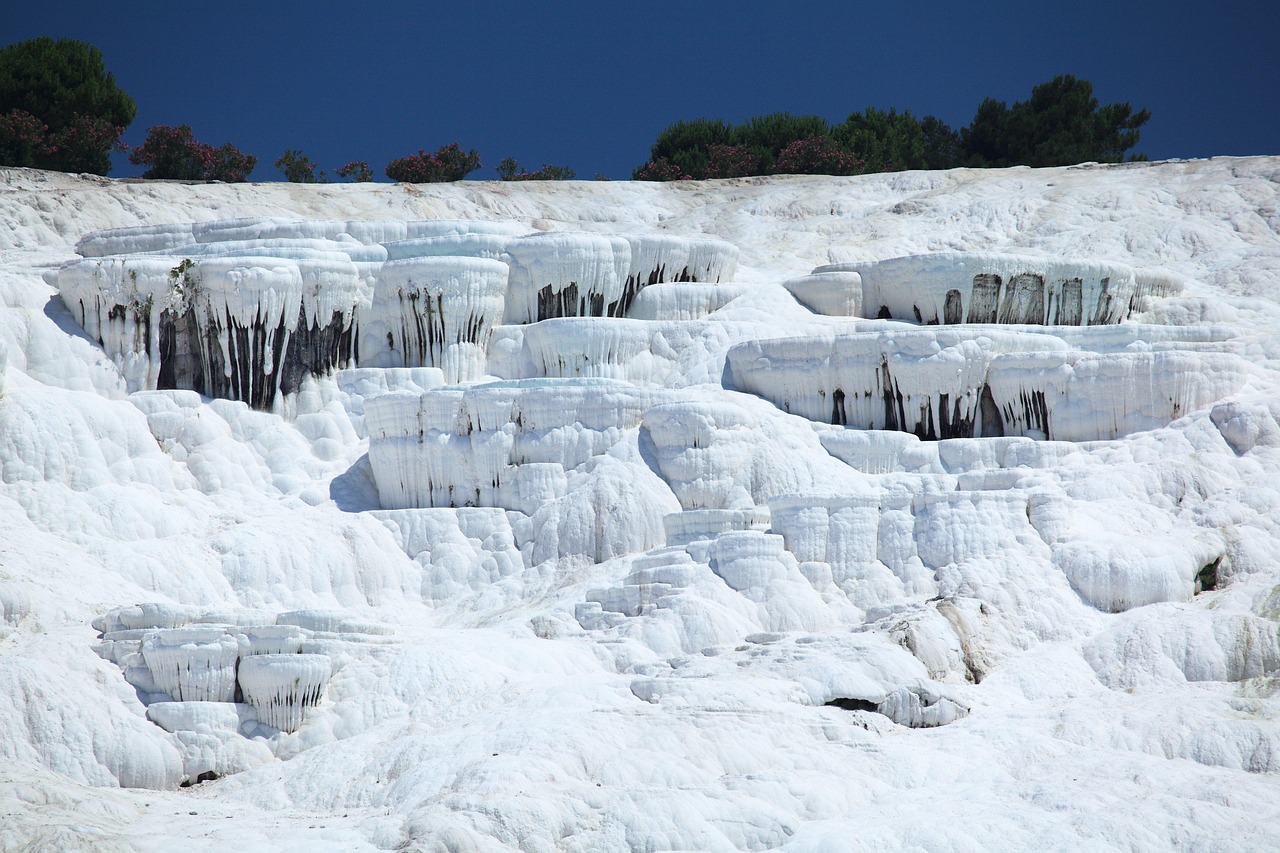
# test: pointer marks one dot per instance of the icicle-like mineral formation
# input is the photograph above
(964, 383)
(240, 328)
(506, 444)
(434, 312)
(281, 687)
(973, 287)
(927, 382)
(193, 664)
(565, 274)
(659, 258)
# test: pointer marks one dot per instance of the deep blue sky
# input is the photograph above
(589, 84)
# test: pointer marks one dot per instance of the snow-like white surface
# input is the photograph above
(637, 578)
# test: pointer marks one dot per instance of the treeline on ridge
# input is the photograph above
(1061, 124)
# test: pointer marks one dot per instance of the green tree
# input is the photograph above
(769, 135)
(942, 148)
(298, 168)
(1060, 125)
(683, 146)
(64, 84)
(712, 148)
(888, 141)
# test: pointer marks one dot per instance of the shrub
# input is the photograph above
(449, 163)
(711, 148)
(660, 169)
(510, 170)
(22, 135)
(65, 86)
(356, 170)
(776, 131)
(734, 161)
(817, 155)
(298, 168)
(174, 153)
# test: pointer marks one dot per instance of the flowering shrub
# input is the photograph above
(356, 170)
(734, 161)
(298, 168)
(510, 170)
(660, 169)
(449, 163)
(82, 144)
(816, 155)
(174, 153)
(21, 138)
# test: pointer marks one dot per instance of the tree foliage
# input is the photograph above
(509, 170)
(449, 163)
(357, 170)
(887, 141)
(63, 84)
(1061, 124)
(173, 153)
(298, 168)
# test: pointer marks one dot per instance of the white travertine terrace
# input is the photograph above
(960, 383)
(434, 312)
(282, 687)
(700, 560)
(969, 287)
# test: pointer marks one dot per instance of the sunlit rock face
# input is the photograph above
(941, 384)
(703, 548)
(566, 275)
(836, 292)
(434, 312)
(244, 309)
(957, 287)
(240, 328)
(507, 444)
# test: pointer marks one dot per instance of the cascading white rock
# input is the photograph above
(566, 274)
(240, 328)
(193, 664)
(198, 663)
(505, 444)
(682, 301)
(657, 258)
(972, 287)
(282, 687)
(1087, 397)
(881, 451)
(434, 312)
(928, 382)
(838, 294)
(167, 237)
(704, 452)
(362, 231)
(470, 549)
(863, 545)
(695, 525)
(941, 384)
(135, 239)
